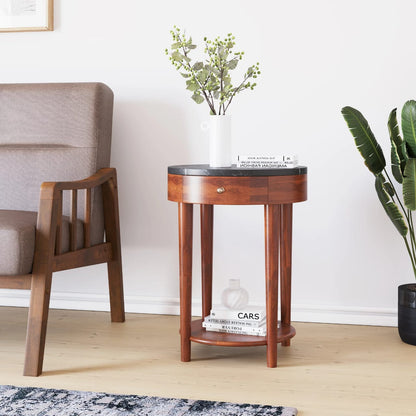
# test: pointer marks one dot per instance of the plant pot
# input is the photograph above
(220, 141)
(407, 313)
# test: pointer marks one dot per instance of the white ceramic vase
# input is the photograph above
(234, 296)
(220, 141)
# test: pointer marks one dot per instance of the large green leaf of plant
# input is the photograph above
(389, 206)
(364, 140)
(409, 184)
(393, 126)
(395, 163)
(409, 126)
(398, 158)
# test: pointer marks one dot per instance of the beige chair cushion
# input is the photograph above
(53, 132)
(17, 240)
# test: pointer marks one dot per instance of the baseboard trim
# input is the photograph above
(170, 306)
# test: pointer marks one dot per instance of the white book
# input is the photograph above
(265, 165)
(291, 159)
(233, 329)
(250, 313)
(237, 322)
(275, 162)
(237, 332)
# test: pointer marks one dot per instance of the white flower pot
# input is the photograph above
(220, 141)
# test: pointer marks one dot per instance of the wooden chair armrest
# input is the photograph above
(102, 176)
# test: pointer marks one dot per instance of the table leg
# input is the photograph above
(271, 232)
(286, 266)
(185, 221)
(207, 227)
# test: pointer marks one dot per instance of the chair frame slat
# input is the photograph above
(58, 240)
(87, 218)
(73, 227)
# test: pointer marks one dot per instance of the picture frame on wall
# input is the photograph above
(26, 15)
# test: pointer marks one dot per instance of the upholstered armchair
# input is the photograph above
(58, 197)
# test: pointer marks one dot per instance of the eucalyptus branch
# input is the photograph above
(210, 79)
(238, 89)
(190, 69)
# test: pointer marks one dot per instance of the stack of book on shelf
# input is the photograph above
(247, 321)
(274, 162)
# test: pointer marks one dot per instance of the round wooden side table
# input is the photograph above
(277, 190)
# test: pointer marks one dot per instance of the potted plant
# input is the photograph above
(399, 210)
(209, 80)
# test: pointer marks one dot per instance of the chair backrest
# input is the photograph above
(53, 132)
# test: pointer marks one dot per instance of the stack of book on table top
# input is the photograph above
(273, 162)
(247, 321)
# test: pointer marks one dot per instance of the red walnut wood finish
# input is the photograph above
(271, 234)
(185, 220)
(207, 224)
(286, 265)
(48, 257)
(237, 190)
(277, 194)
(200, 335)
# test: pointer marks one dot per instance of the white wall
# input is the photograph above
(316, 57)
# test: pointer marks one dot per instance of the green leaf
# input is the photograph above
(202, 76)
(185, 75)
(221, 52)
(409, 184)
(175, 45)
(398, 157)
(198, 66)
(364, 139)
(232, 64)
(198, 98)
(404, 151)
(386, 185)
(395, 163)
(394, 130)
(390, 207)
(177, 56)
(191, 46)
(409, 126)
(191, 85)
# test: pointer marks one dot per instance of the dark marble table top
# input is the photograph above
(206, 170)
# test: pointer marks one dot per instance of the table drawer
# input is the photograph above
(218, 190)
(244, 190)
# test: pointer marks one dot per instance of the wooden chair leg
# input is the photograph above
(112, 232)
(37, 323)
(41, 280)
(115, 283)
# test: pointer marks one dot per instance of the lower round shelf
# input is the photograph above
(199, 334)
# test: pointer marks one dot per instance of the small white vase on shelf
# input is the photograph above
(234, 296)
(220, 141)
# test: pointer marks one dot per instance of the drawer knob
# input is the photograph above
(221, 190)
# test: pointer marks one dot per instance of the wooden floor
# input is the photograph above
(330, 370)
